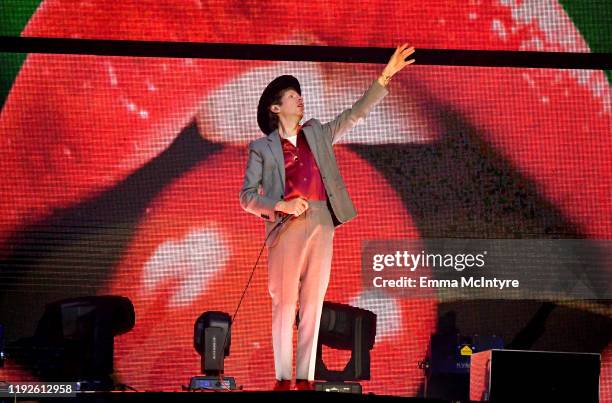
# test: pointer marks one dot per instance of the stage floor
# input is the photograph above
(233, 396)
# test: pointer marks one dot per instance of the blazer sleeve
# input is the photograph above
(250, 199)
(346, 120)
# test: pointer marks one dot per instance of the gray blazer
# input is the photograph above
(264, 179)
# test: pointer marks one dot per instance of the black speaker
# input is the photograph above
(534, 376)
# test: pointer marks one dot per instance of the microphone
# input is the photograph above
(285, 219)
(282, 221)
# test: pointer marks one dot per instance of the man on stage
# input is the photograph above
(295, 167)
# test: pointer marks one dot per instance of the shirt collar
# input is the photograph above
(300, 132)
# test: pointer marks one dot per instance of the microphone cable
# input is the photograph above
(280, 223)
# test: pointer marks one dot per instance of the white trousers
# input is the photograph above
(299, 265)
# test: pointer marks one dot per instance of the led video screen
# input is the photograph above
(120, 175)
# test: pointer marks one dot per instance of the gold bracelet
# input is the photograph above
(386, 78)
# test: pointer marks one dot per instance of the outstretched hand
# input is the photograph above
(398, 60)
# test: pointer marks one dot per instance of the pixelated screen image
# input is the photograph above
(120, 175)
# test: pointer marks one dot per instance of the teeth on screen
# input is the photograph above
(388, 313)
(191, 262)
(560, 34)
(229, 114)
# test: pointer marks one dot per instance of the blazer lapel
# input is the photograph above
(277, 151)
(312, 143)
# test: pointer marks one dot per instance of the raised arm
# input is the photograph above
(346, 120)
(349, 118)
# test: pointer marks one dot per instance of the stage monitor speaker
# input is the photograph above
(534, 376)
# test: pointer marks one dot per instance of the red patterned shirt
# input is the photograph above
(302, 176)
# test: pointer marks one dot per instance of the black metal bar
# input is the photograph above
(445, 57)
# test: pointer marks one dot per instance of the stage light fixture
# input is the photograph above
(344, 327)
(211, 339)
(74, 340)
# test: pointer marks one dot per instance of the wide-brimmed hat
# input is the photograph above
(267, 97)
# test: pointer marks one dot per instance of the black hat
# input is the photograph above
(267, 97)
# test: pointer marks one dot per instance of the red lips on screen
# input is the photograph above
(133, 108)
(194, 250)
(74, 126)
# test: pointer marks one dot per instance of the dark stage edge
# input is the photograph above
(234, 396)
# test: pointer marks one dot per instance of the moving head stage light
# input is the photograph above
(74, 340)
(344, 327)
(211, 339)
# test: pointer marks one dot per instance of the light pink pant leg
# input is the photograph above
(299, 267)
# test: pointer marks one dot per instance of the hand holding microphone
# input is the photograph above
(295, 207)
